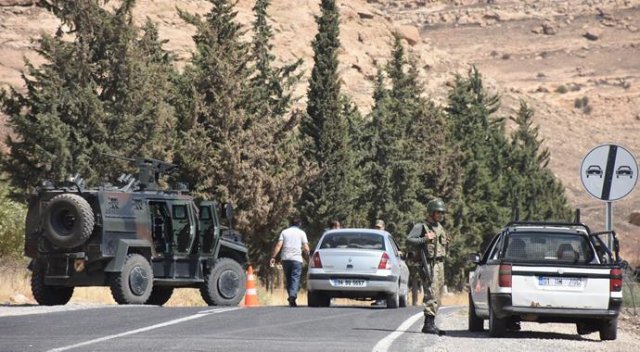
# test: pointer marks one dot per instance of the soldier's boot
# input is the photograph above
(430, 327)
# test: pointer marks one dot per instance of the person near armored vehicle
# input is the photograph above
(292, 241)
(379, 224)
(431, 240)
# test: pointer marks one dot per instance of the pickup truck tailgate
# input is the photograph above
(558, 287)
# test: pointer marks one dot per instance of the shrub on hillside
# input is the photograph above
(12, 216)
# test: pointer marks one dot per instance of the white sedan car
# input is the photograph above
(360, 264)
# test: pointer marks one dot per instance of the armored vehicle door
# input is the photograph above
(161, 227)
(209, 229)
(183, 222)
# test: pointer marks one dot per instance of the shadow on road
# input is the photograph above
(518, 335)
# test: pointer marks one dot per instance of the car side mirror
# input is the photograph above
(474, 258)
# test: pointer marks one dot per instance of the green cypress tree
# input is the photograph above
(479, 136)
(237, 126)
(326, 130)
(98, 93)
(532, 188)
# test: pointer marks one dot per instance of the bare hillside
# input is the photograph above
(577, 62)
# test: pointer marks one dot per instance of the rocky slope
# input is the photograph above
(577, 62)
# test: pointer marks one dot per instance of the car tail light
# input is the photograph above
(615, 284)
(316, 262)
(504, 275)
(385, 264)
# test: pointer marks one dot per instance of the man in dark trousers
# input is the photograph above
(431, 241)
(292, 241)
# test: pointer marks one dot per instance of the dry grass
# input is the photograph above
(16, 289)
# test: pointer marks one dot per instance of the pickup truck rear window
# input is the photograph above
(549, 246)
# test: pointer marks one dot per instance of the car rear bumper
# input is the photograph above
(501, 304)
(375, 285)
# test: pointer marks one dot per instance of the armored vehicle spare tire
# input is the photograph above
(225, 284)
(68, 220)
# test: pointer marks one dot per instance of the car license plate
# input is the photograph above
(560, 281)
(349, 283)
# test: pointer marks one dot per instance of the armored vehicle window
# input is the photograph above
(179, 212)
(205, 213)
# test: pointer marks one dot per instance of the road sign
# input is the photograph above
(609, 172)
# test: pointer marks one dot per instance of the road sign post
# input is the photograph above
(609, 172)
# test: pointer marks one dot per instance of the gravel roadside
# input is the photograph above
(548, 337)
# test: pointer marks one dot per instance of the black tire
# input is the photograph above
(393, 299)
(159, 295)
(475, 323)
(316, 299)
(48, 295)
(586, 328)
(225, 284)
(68, 220)
(133, 285)
(497, 326)
(402, 302)
(609, 330)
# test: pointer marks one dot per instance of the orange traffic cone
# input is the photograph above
(251, 297)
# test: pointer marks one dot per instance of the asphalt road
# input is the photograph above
(277, 329)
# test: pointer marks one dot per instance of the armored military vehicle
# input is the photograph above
(135, 237)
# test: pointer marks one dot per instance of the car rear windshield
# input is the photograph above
(353, 240)
(558, 247)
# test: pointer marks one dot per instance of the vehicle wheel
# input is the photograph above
(133, 285)
(586, 328)
(68, 220)
(402, 301)
(497, 326)
(318, 299)
(47, 295)
(225, 284)
(159, 295)
(475, 323)
(609, 329)
(393, 300)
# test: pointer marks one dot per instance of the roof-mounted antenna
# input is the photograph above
(577, 220)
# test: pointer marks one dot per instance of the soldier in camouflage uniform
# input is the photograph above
(431, 237)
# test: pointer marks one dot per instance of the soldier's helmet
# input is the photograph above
(436, 205)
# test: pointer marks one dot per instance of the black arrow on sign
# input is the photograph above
(608, 174)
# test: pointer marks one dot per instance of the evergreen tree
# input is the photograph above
(326, 129)
(532, 188)
(479, 136)
(237, 127)
(103, 92)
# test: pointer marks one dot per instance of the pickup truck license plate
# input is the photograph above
(349, 283)
(560, 281)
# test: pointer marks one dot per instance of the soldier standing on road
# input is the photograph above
(431, 238)
(292, 241)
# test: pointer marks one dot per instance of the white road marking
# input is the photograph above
(152, 327)
(384, 344)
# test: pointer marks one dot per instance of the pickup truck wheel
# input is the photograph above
(497, 326)
(47, 295)
(134, 283)
(586, 328)
(475, 323)
(609, 329)
(225, 284)
(159, 295)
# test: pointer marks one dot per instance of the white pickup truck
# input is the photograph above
(546, 272)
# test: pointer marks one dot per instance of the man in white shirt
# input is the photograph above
(292, 241)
